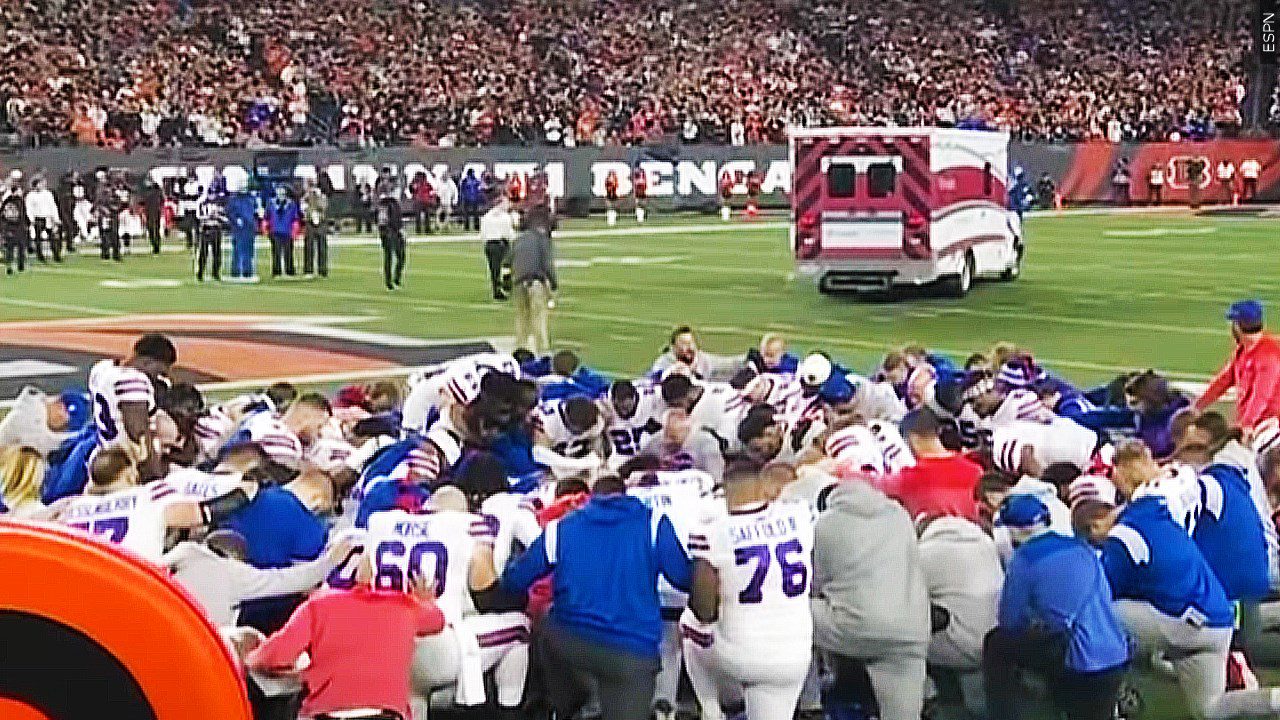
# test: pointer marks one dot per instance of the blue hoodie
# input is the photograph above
(281, 216)
(1056, 583)
(1149, 557)
(606, 557)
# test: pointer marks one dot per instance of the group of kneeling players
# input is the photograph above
(891, 504)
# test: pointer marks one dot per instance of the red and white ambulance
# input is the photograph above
(875, 208)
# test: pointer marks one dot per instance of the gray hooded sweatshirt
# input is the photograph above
(962, 569)
(869, 594)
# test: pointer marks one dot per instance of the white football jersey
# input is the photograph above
(423, 403)
(517, 524)
(550, 419)
(437, 544)
(719, 410)
(195, 484)
(212, 431)
(1063, 440)
(896, 452)
(781, 390)
(276, 439)
(627, 435)
(855, 451)
(876, 400)
(764, 558)
(110, 385)
(1021, 405)
(133, 519)
(682, 497)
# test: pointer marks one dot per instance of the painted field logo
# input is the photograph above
(233, 351)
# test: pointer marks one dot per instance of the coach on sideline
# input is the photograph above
(497, 229)
(1253, 370)
(606, 619)
(533, 276)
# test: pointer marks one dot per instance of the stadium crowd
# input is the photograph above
(929, 524)
(125, 74)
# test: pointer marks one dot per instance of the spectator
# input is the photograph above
(21, 472)
(941, 482)
(605, 620)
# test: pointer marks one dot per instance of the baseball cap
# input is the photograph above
(1245, 311)
(77, 404)
(1022, 511)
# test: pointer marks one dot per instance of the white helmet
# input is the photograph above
(814, 370)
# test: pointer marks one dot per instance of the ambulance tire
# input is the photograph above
(958, 285)
(1014, 271)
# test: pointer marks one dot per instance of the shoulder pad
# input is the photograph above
(1133, 542)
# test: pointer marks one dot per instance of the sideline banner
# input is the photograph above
(682, 177)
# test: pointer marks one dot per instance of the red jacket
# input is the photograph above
(361, 644)
(1254, 371)
(937, 486)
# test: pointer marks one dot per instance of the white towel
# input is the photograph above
(470, 689)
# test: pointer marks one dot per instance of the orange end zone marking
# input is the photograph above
(17, 710)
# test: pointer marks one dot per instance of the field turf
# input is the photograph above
(1099, 294)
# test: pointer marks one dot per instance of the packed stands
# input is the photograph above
(126, 74)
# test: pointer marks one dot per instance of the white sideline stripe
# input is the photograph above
(499, 343)
(60, 306)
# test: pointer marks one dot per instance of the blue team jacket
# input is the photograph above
(1229, 533)
(1056, 584)
(282, 216)
(278, 529)
(470, 190)
(1148, 556)
(242, 209)
(606, 558)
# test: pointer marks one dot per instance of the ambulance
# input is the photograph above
(884, 208)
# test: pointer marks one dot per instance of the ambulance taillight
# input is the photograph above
(807, 235)
(915, 241)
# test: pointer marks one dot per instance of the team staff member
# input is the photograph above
(315, 244)
(1249, 171)
(153, 206)
(1172, 603)
(497, 230)
(282, 214)
(391, 235)
(605, 621)
(13, 224)
(210, 217)
(533, 274)
(1155, 184)
(1055, 618)
(242, 219)
(42, 213)
(471, 193)
(1253, 370)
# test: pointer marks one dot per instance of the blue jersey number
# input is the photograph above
(790, 558)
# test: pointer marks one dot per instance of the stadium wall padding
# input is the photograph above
(683, 177)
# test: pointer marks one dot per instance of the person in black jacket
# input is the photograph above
(153, 206)
(13, 223)
(106, 208)
(66, 208)
(391, 234)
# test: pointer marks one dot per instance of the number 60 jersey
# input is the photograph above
(436, 544)
(765, 559)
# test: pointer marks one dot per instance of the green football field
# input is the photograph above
(1100, 293)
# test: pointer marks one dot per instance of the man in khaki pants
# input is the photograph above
(533, 276)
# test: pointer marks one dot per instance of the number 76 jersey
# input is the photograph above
(765, 560)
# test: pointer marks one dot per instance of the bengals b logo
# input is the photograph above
(1178, 172)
